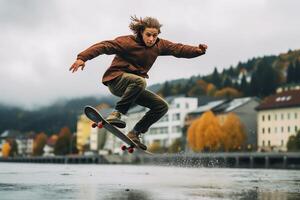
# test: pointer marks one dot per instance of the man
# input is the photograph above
(134, 56)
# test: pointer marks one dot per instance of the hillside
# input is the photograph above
(255, 77)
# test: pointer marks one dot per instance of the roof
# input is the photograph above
(284, 99)
(10, 134)
(235, 103)
(208, 106)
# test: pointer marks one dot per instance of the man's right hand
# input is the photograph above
(77, 64)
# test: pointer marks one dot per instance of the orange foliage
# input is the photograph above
(205, 133)
(6, 150)
(39, 144)
(211, 89)
(235, 134)
(228, 92)
(203, 84)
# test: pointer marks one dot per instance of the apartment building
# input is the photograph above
(168, 128)
(278, 119)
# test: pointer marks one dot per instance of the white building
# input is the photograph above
(168, 128)
(278, 119)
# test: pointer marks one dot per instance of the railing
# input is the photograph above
(228, 160)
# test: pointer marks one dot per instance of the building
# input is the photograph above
(83, 133)
(169, 127)
(278, 119)
(244, 108)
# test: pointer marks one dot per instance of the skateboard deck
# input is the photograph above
(100, 122)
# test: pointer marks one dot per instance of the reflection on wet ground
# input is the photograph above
(36, 181)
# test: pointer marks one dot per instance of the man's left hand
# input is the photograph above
(203, 47)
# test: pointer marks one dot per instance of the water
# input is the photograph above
(42, 181)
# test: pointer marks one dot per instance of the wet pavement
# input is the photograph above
(52, 181)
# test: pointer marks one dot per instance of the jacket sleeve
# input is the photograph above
(108, 47)
(179, 50)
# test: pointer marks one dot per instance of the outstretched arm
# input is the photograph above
(106, 47)
(180, 50)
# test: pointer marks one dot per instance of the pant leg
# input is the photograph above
(158, 108)
(128, 87)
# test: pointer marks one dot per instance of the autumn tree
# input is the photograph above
(13, 147)
(175, 147)
(234, 132)
(39, 143)
(211, 89)
(155, 147)
(63, 144)
(6, 149)
(228, 93)
(205, 133)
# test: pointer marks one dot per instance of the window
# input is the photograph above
(282, 142)
(288, 115)
(269, 143)
(263, 118)
(282, 116)
(177, 105)
(176, 116)
(263, 143)
(275, 117)
(275, 129)
(282, 129)
(187, 105)
(296, 115)
(263, 130)
(176, 129)
(165, 118)
(269, 130)
(289, 129)
(269, 117)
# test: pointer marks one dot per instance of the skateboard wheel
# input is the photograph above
(94, 125)
(130, 150)
(123, 147)
(100, 125)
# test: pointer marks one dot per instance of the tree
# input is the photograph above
(175, 147)
(14, 147)
(216, 78)
(227, 82)
(211, 89)
(6, 149)
(297, 72)
(291, 76)
(265, 79)
(228, 93)
(39, 143)
(63, 144)
(293, 143)
(155, 147)
(245, 87)
(205, 133)
(235, 134)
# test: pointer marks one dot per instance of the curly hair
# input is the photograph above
(138, 25)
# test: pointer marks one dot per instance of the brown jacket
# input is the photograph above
(133, 56)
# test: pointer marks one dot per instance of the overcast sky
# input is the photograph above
(39, 40)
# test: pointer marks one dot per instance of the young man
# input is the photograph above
(134, 56)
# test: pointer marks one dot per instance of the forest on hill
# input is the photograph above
(256, 77)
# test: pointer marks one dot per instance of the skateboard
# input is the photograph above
(100, 122)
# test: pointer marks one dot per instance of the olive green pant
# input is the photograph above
(131, 89)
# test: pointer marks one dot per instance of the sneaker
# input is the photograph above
(115, 119)
(135, 138)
